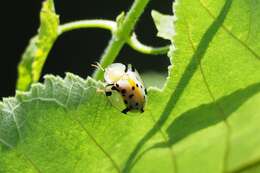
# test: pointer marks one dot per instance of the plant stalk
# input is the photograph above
(121, 35)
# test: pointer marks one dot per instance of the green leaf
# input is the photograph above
(164, 25)
(205, 119)
(33, 59)
(154, 79)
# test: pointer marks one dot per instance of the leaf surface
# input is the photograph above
(164, 25)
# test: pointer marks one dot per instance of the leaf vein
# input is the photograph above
(250, 22)
(115, 165)
(11, 111)
(69, 94)
(32, 163)
(229, 32)
(171, 152)
(246, 166)
(221, 111)
(5, 143)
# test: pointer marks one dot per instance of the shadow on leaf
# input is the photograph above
(207, 115)
(204, 116)
(182, 84)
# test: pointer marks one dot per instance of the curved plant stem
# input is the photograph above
(138, 46)
(121, 36)
(112, 26)
(94, 23)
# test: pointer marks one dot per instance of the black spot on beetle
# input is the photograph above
(123, 91)
(125, 101)
(133, 88)
(131, 95)
(137, 85)
(117, 85)
(141, 86)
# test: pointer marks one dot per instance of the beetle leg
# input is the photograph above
(125, 110)
(108, 85)
(114, 88)
(108, 90)
(132, 68)
(108, 93)
(145, 91)
(126, 68)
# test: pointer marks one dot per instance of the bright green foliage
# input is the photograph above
(205, 119)
(154, 79)
(33, 59)
(164, 25)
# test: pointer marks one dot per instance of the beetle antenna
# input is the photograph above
(98, 66)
